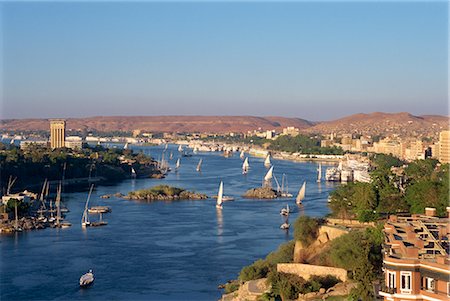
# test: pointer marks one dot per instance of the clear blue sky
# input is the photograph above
(317, 61)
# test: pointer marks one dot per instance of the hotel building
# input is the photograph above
(57, 133)
(415, 262)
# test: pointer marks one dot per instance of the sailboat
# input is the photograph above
(180, 148)
(59, 223)
(285, 211)
(133, 173)
(267, 161)
(284, 189)
(125, 146)
(171, 156)
(268, 178)
(195, 151)
(242, 155)
(285, 225)
(245, 166)
(319, 173)
(199, 165)
(220, 196)
(177, 165)
(165, 147)
(301, 194)
(85, 219)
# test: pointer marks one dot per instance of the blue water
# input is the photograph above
(162, 250)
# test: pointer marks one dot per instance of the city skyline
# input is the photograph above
(316, 61)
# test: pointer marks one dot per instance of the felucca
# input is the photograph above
(199, 165)
(301, 194)
(267, 161)
(245, 166)
(85, 219)
(177, 165)
(220, 196)
(319, 173)
(242, 155)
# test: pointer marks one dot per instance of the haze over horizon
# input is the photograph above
(315, 61)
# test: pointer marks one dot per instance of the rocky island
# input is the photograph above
(261, 193)
(164, 193)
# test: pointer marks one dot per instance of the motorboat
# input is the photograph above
(87, 279)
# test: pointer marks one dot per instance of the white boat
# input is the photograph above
(285, 211)
(245, 166)
(269, 174)
(99, 209)
(199, 165)
(267, 162)
(242, 155)
(195, 151)
(283, 191)
(85, 218)
(171, 156)
(167, 146)
(133, 173)
(220, 196)
(177, 165)
(125, 146)
(333, 174)
(11, 142)
(301, 194)
(319, 173)
(180, 148)
(87, 279)
(285, 225)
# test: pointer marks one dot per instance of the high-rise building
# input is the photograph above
(444, 147)
(57, 133)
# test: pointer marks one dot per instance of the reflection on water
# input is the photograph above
(177, 250)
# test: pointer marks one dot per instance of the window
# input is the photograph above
(405, 282)
(391, 279)
(429, 284)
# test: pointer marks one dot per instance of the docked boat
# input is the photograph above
(99, 209)
(301, 194)
(333, 174)
(87, 279)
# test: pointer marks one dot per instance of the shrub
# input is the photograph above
(259, 269)
(306, 230)
(232, 286)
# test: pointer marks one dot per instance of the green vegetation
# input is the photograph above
(36, 163)
(302, 144)
(306, 230)
(359, 252)
(164, 192)
(232, 286)
(423, 183)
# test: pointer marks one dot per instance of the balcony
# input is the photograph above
(389, 290)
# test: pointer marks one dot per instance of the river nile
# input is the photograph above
(163, 250)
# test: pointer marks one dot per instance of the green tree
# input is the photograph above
(306, 230)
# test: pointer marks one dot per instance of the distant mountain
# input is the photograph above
(214, 124)
(379, 123)
(371, 124)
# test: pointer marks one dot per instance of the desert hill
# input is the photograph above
(215, 124)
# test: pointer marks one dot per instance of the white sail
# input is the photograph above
(133, 172)
(269, 174)
(242, 155)
(220, 196)
(165, 147)
(245, 166)
(180, 148)
(11, 142)
(199, 165)
(301, 194)
(85, 219)
(177, 164)
(195, 149)
(267, 161)
(319, 173)
(125, 146)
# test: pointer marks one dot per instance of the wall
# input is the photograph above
(308, 270)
